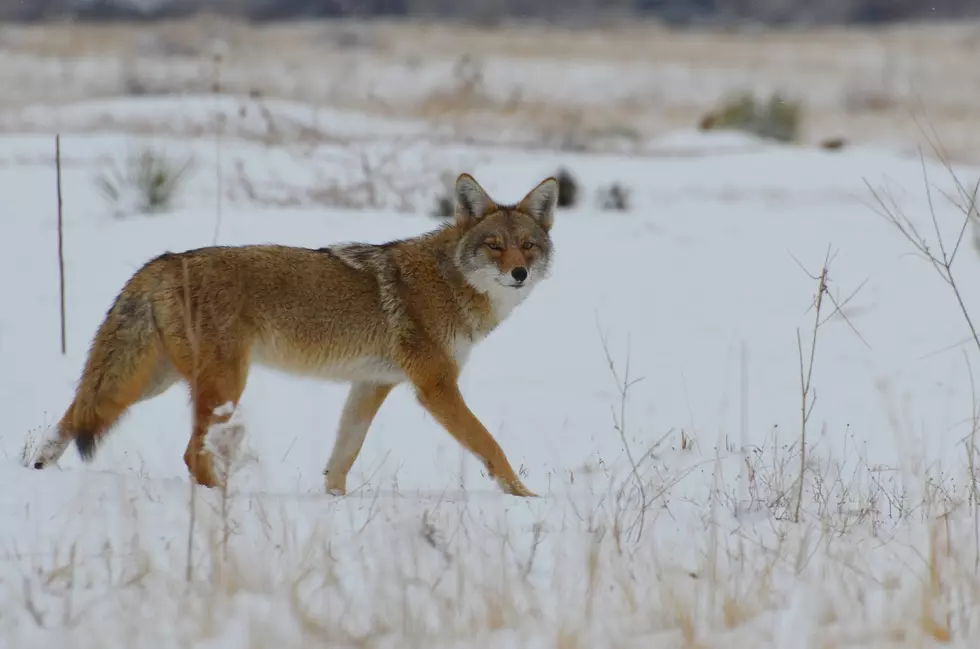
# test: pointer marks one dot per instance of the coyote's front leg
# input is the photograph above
(438, 391)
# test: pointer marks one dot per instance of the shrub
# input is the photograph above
(148, 184)
(567, 188)
(615, 197)
(775, 119)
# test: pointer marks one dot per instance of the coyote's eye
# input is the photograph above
(493, 245)
(528, 245)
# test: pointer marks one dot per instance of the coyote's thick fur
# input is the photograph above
(371, 315)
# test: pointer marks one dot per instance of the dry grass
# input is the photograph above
(809, 49)
(855, 83)
(367, 180)
(868, 563)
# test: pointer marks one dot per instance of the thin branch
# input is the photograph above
(619, 423)
(807, 401)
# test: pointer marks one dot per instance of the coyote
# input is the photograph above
(370, 315)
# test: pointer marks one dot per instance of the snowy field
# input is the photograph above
(650, 392)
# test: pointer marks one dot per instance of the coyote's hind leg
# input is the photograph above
(363, 403)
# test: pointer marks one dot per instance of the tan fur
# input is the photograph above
(373, 316)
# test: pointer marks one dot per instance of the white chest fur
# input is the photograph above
(503, 301)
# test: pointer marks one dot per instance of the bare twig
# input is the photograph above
(942, 263)
(218, 128)
(194, 341)
(806, 377)
(971, 452)
(535, 540)
(623, 386)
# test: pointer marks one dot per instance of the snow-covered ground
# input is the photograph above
(666, 517)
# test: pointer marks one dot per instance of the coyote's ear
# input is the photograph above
(541, 201)
(472, 202)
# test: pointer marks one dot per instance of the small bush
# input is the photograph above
(775, 119)
(567, 188)
(149, 183)
(833, 143)
(615, 197)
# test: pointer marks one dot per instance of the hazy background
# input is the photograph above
(680, 12)
(579, 75)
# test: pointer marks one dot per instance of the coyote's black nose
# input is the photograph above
(519, 273)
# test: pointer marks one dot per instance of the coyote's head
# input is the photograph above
(504, 246)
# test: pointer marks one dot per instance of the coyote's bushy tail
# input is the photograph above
(121, 361)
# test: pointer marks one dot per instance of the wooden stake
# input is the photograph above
(61, 249)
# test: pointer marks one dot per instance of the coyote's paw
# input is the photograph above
(517, 488)
(334, 484)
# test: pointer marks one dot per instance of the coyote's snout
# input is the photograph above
(374, 316)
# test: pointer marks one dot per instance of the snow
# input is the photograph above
(702, 289)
